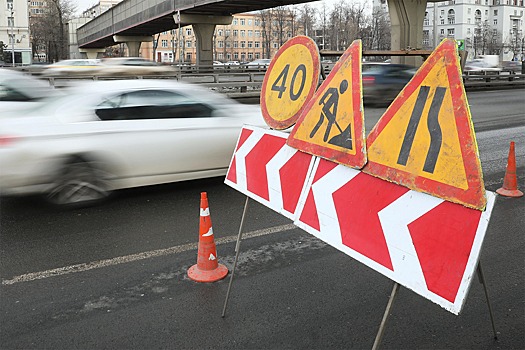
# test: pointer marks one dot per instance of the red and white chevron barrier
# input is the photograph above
(266, 169)
(424, 243)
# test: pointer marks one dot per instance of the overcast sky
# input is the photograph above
(85, 4)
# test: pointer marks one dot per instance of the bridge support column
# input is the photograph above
(132, 42)
(406, 17)
(204, 28)
(91, 53)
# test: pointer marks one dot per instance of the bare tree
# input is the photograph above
(47, 34)
(515, 43)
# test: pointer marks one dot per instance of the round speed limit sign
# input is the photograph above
(290, 82)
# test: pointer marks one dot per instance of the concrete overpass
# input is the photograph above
(136, 21)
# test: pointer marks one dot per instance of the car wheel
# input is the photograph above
(78, 184)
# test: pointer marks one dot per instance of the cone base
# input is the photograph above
(199, 275)
(509, 193)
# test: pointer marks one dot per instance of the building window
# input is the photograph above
(451, 17)
(257, 44)
(188, 31)
(495, 21)
(450, 32)
(243, 44)
(188, 43)
(442, 21)
(235, 32)
(495, 12)
(425, 20)
(235, 21)
(220, 32)
(235, 44)
(257, 33)
(257, 22)
(10, 22)
(164, 43)
(250, 33)
(243, 22)
(250, 22)
(426, 41)
(243, 33)
(250, 44)
(188, 56)
(220, 43)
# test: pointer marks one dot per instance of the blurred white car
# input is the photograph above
(132, 66)
(19, 90)
(108, 135)
(480, 65)
(261, 63)
(72, 67)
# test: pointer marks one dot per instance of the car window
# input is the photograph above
(151, 104)
(8, 94)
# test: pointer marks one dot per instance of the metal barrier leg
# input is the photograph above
(237, 250)
(379, 336)
(482, 281)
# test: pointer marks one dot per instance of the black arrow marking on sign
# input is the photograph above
(412, 125)
(436, 136)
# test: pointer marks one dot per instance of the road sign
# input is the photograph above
(264, 168)
(424, 243)
(425, 140)
(290, 82)
(332, 123)
(461, 44)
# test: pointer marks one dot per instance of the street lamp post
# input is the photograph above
(12, 38)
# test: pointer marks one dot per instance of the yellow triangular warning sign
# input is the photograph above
(331, 125)
(425, 140)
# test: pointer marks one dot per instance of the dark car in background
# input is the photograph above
(382, 82)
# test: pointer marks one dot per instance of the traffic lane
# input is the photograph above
(290, 291)
(489, 109)
(36, 237)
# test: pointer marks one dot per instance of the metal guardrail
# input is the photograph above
(238, 82)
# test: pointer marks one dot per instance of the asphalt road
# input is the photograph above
(114, 276)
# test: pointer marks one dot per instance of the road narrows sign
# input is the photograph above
(290, 82)
(425, 140)
(332, 123)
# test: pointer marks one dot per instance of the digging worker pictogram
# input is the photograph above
(330, 101)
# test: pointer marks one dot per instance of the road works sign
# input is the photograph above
(267, 170)
(425, 140)
(332, 124)
(290, 82)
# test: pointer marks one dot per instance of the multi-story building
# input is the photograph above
(485, 26)
(14, 31)
(248, 37)
(98, 9)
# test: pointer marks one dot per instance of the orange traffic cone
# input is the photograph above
(207, 268)
(510, 183)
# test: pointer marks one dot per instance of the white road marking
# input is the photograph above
(33, 276)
